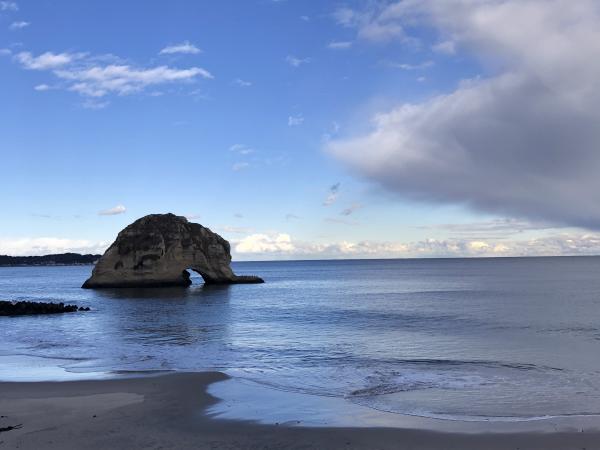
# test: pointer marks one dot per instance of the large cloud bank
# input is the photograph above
(524, 142)
(282, 246)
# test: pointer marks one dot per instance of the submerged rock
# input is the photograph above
(157, 250)
(30, 308)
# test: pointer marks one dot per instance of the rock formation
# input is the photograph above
(30, 308)
(157, 250)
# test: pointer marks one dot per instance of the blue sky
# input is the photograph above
(256, 119)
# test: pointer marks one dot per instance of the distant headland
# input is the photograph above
(61, 259)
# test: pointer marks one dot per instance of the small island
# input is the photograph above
(157, 250)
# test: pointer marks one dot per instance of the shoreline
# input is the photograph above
(177, 410)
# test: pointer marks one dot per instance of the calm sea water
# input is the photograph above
(452, 338)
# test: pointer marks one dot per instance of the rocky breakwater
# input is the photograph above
(30, 308)
(158, 249)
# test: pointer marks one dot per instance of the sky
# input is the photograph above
(302, 129)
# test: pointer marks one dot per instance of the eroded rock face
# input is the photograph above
(157, 250)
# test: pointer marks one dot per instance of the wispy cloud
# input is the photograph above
(19, 25)
(372, 23)
(406, 66)
(351, 209)
(339, 220)
(8, 6)
(493, 228)
(332, 196)
(290, 217)
(92, 103)
(242, 83)
(339, 45)
(294, 61)
(42, 87)
(241, 149)
(99, 76)
(294, 121)
(122, 79)
(119, 209)
(240, 166)
(184, 48)
(445, 47)
(46, 61)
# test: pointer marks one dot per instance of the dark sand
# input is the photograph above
(168, 412)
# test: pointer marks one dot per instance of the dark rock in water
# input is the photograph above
(28, 308)
(157, 250)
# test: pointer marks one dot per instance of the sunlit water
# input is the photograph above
(461, 338)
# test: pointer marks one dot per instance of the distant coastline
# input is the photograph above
(61, 259)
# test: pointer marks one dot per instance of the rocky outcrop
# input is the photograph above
(30, 308)
(157, 250)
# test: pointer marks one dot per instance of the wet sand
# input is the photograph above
(170, 412)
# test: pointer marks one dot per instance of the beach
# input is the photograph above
(169, 411)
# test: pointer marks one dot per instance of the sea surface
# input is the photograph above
(511, 338)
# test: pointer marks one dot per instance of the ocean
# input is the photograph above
(471, 339)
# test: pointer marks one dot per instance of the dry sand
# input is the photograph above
(168, 412)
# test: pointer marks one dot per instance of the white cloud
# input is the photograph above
(19, 25)
(38, 246)
(240, 166)
(99, 81)
(295, 61)
(265, 243)
(282, 246)
(445, 47)
(339, 45)
(92, 103)
(372, 24)
(242, 83)
(405, 66)
(5, 51)
(184, 48)
(46, 61)
(241, 149)
(100, 76)
(521, 143)
(42, 87)
(294, 121)
(119, 209)
(8, 6)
